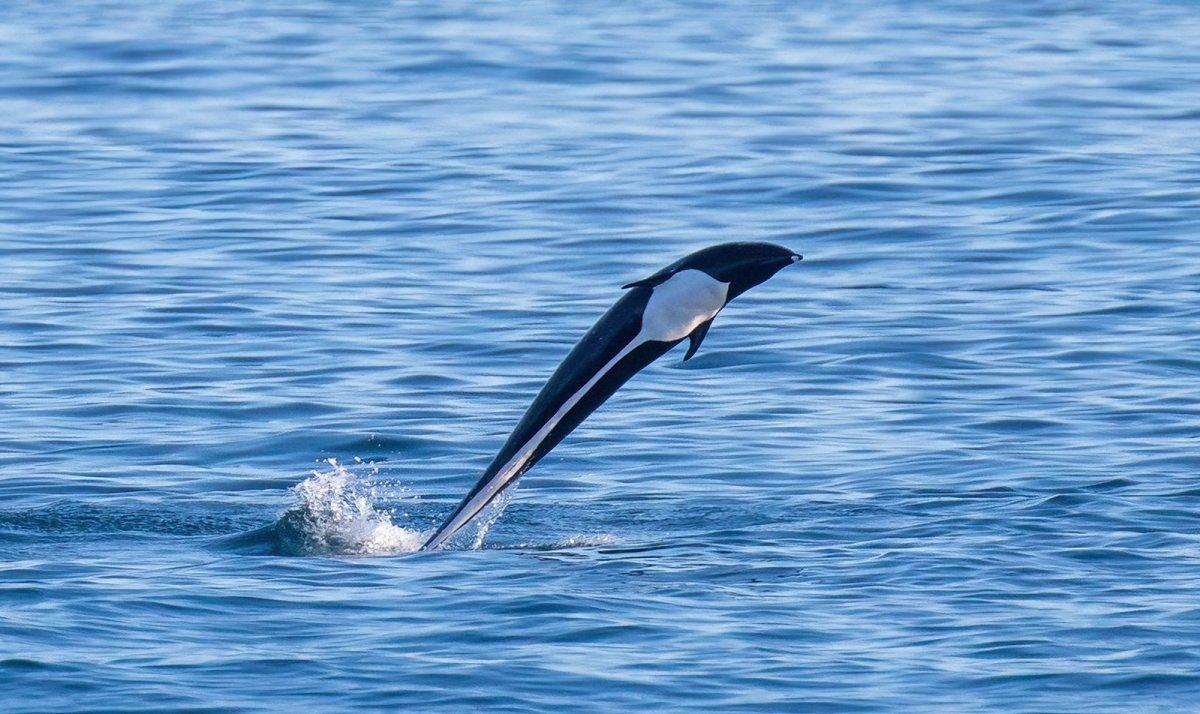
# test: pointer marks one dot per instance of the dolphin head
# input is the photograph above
(741, 265)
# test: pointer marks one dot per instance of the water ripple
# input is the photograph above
(948, 463)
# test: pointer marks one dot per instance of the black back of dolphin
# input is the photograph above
(612, 333)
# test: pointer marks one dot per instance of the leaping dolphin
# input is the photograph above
(679, 301)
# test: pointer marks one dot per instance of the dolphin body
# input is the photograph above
(657, 313)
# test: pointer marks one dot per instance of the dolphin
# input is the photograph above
(676, 303)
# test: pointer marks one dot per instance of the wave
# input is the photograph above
(339, 510)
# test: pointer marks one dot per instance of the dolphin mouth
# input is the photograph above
(796, 257)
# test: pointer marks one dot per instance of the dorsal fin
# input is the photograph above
(697, 337)
(656, 279)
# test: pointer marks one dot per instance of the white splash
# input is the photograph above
(586, 541)
(335, 514)
(568, 543)
(485, 520)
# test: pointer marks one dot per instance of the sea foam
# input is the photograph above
(336, 514)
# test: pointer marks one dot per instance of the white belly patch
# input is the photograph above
(680, 304)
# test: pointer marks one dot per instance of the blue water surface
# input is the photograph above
(278, 278)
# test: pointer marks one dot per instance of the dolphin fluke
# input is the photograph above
(680, 301)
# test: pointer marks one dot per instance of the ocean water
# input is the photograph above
(279, 277)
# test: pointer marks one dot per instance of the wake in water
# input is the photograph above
(337, 513)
